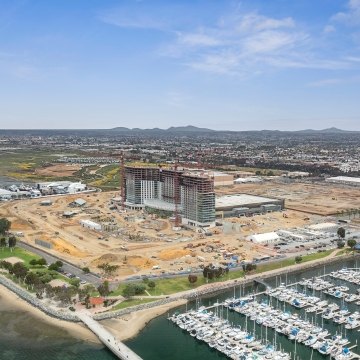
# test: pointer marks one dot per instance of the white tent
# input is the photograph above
(266, 238)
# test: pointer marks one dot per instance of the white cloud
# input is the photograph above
(197, 39)
(334, 81)
(138, 21)
(237, 43)
(351, 16)
(328, 29)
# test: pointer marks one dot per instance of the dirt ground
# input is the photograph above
(142, 244)
(58, 170)
(321, 198)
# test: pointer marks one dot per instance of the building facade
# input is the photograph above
(157, 189)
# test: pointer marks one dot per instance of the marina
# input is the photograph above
(318, 313)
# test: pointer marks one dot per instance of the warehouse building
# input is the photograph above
(5, 195)
(324, 227)
(345, 180)
(246, 205)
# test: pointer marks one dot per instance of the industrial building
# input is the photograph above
(324, 227)
(5, 195)
(246, 205)
(90, 225)
(345, 180)
(60, 187)
(165, 191)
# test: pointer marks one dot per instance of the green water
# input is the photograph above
(21, 338)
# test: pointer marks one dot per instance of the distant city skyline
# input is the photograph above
(222, 65)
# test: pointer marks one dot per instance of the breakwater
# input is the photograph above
(32, 300)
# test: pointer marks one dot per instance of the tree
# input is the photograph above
(103, 289)
(53, 266)
(31, 279)
(33, 262)
(298, 259)
(20, 270)
(249, 267)
(85, 270)
(341, 233)
(351, 243)
(340, 244)
(42, 262)
(2, 243)
(56, 265)
(5, 225)
(133, 289)
(6, 265)
(75, 282)
(12, 242)
(192, 279)
(151, 284)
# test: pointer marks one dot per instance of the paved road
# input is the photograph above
(67, 267)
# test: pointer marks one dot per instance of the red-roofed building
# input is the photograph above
(96, 301)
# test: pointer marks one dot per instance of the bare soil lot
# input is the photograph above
(142, 244)
(320, 198)
(58, 170)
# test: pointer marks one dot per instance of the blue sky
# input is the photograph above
(235, 65)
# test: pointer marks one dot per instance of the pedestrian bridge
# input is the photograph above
(261, 282)
(115, 346)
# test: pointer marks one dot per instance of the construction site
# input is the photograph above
(173, 220)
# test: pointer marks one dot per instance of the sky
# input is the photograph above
(219, 64)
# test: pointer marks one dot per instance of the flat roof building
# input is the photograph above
(245, 204)
(346, 180)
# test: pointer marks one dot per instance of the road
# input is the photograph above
(67, 267)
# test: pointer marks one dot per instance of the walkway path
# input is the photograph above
(114, 345)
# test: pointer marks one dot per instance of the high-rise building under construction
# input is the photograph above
(170, 191)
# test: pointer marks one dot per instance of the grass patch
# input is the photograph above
(132, 302)
(344, 251)
(317, 255)
(274, 265)
(178, 284)
(22, 254)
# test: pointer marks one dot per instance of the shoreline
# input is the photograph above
(128, 326)
(12, 301)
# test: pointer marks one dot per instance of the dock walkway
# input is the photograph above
(115, 346)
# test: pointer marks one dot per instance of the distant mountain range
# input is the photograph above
(194, 129)
(176, 131)
(172, 129)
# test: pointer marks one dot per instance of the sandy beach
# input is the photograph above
(128, 326)
(10, 301)
(124, 327)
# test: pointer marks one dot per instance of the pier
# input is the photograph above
(117, 347)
